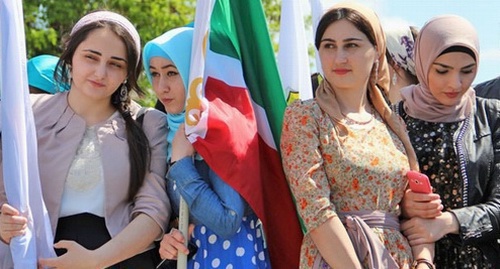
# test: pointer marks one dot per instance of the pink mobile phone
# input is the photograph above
(419, 182)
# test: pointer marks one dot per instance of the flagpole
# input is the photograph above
(183, 227)
(201, 26)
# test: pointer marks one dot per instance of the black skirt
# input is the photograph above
(90, 231)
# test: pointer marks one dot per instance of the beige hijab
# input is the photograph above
(437, 35)
(378, 82)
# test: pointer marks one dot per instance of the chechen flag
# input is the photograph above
(234, 114)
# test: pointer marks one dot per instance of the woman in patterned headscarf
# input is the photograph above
(400, 43)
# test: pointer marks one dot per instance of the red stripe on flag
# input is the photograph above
(284, 235)
(231, 145)
(233, 148)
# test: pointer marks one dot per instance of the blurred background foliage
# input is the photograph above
(47, 21)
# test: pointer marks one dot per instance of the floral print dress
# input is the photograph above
(434, 146)
(363, 170)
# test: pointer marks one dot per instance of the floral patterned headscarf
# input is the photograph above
(400, 45)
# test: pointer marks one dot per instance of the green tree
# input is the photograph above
(48, 21)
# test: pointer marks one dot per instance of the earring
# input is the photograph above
(123, 92)
(69, 76)
(376, 71)
(394, 79)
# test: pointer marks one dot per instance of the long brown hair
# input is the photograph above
(139, 150)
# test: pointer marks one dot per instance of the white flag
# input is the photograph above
(317, 10)
(293, 59)
(19, 154)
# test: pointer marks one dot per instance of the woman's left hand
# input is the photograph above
(171, 244)
(421, 231)
(426, 231)
(76, 257)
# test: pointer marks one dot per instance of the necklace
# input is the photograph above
(350, 121)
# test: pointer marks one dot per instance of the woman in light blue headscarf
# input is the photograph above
(41, 70)
(226, 231)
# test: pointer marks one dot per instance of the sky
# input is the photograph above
(483, 14)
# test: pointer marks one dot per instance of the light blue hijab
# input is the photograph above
(41, 70)
(174, 45)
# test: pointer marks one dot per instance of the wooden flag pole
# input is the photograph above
(183, 227)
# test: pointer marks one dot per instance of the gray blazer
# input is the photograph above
(59, 132)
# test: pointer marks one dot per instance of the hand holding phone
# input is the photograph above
(419, 182)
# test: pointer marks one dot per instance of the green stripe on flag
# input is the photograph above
(244, 23)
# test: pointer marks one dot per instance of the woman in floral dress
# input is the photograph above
(345, 152)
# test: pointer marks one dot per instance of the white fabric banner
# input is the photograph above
(293, 58)
(196, 105)
(317, 10)
(19, 155)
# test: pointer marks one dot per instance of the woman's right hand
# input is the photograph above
(421, 205)
(11, 223)
(171, 244)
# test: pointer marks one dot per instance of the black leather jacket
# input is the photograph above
(479, 150)
(489, 88)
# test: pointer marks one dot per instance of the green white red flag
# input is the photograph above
(234, 115)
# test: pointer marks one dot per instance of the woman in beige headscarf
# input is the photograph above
(456, 138)
(346, 154)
